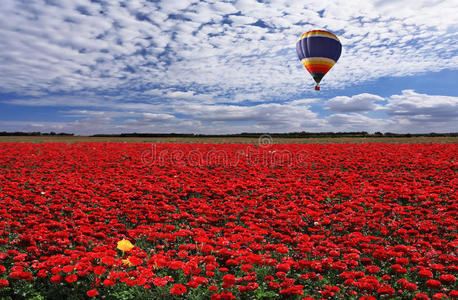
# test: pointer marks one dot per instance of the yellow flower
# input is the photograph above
(127, 262)
(124, 245)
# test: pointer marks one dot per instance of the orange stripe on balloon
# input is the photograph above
(322, 32)
(318, 68)
(318, 60)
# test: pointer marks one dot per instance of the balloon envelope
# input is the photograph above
(318, 51)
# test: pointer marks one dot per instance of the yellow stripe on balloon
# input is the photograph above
(318, 33)
(318, 60)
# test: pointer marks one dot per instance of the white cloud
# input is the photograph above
(410, 103)
(193, 117)
(150, 117)
(415, 112)
(172, 6)
(357, 103)
(407, 112)
(271, 117)
(357, 122)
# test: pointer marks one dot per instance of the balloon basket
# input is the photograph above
(317, 88)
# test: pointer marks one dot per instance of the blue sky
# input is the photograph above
(99, 66)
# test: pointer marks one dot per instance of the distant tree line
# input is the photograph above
(302, 134)
(35, 133)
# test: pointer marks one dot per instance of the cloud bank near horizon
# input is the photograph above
(407, 112)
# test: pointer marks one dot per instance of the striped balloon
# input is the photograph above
(318, 51)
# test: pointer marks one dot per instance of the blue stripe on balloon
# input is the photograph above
(300, 51)
(318, 47)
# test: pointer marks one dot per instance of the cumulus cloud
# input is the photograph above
(408, 111)
(84, 126)
(271, 117)
(179, 116)
(416, 112)
(409, 103)
(357, 122)
(357, 103)
(148, 119)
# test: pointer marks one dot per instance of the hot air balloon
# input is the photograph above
(318, 51)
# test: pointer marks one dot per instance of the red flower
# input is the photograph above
(4, 283)
(229, 279)
(410, 286)
(99, 270)
(386, 277)
(210, 274)
(231, 262)
(92, 293)
(56, 278)
(421, 296)
(453, 294)
(434, 284)
(439, 296)
(215, 296)
(109, 282)
(447, 278)
(327, 294)
(213, 288)
(134, 260)
(158, 281)
(402, 260)
(246, 267)
(176, 265)
(71, 278)
(386, 290)
(42, 273)
(253, 286)
(273, 285)
(283, 267)
(68, 268)
(269, 278)
(226, 295)
(371, 269)
(178, 289)
(425, 274)
(131, 282)
(398, 269)
(340, 266)
(293, 290)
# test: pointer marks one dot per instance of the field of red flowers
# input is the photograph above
(228, 221)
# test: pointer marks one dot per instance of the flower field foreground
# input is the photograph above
(228, 221)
